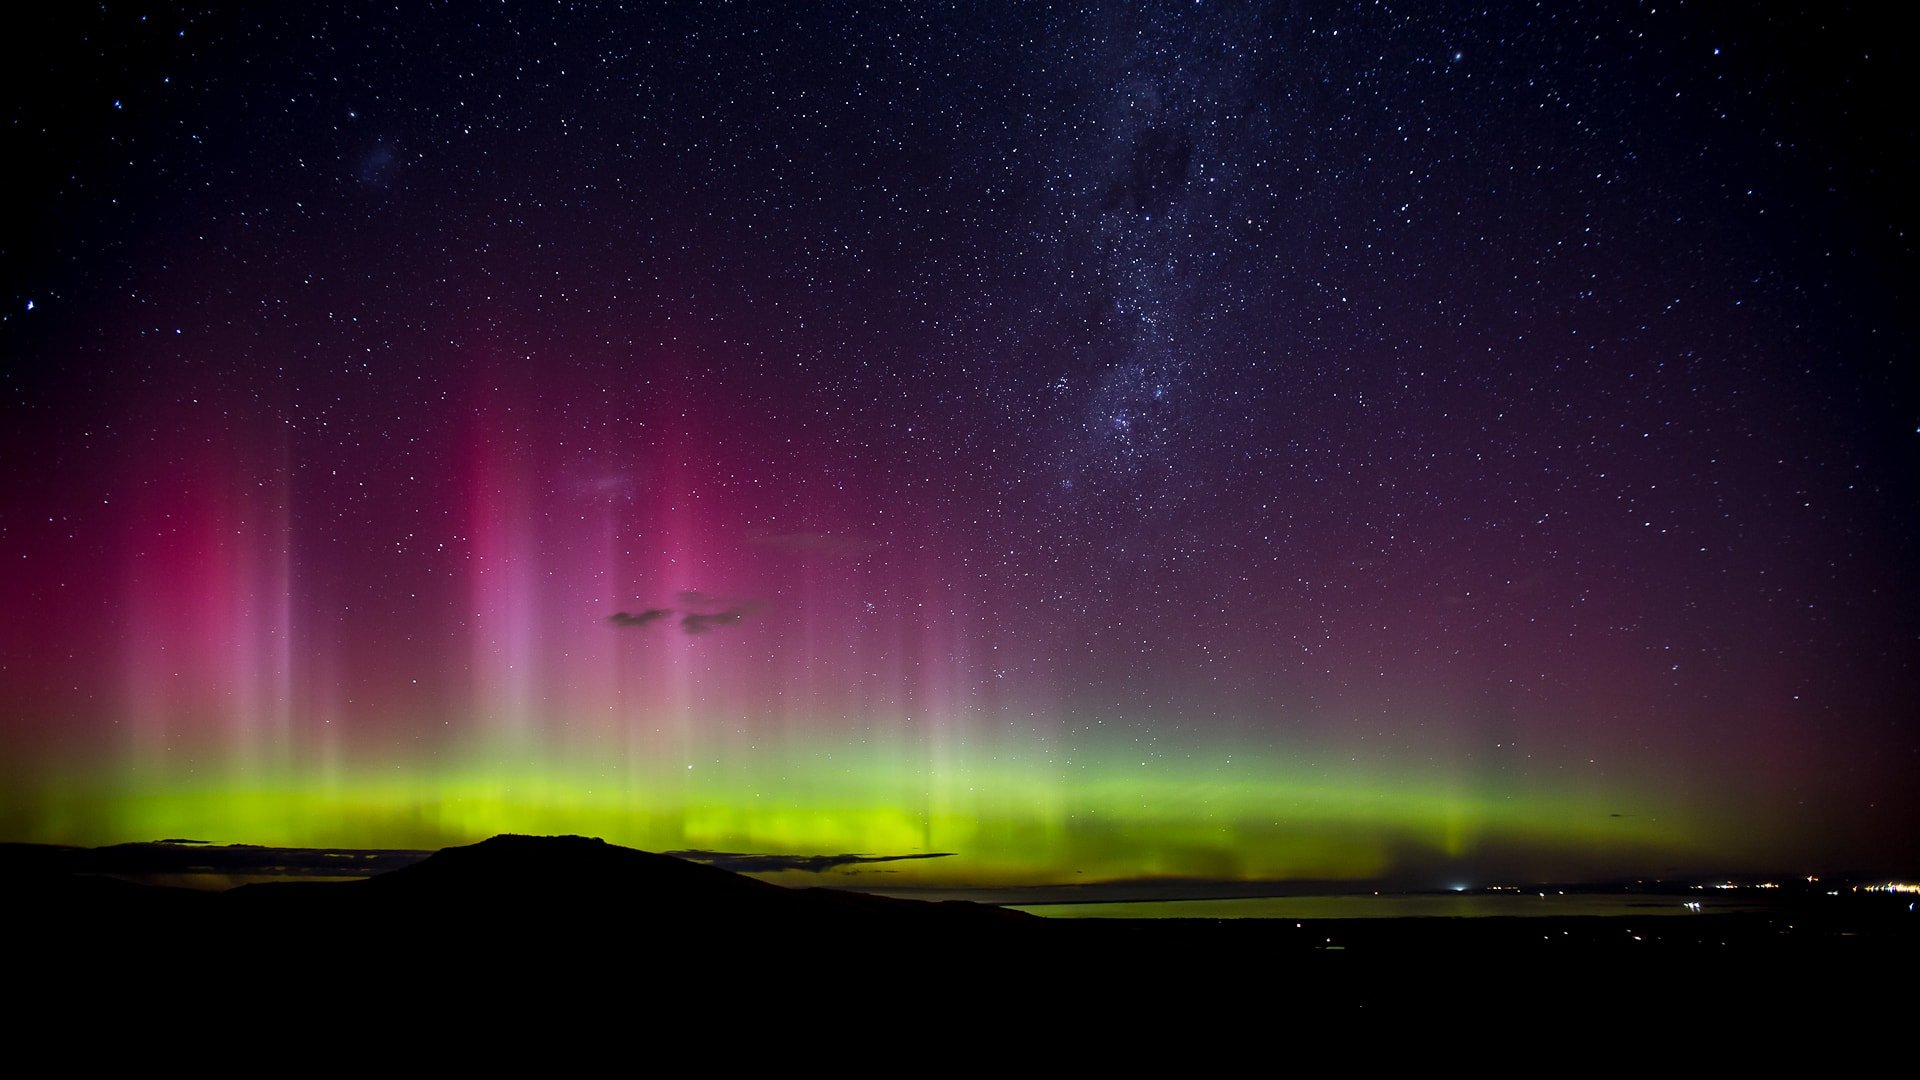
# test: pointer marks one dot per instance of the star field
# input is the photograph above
(1344, 440)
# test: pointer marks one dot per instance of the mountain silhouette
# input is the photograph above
(531, 910)
(514, 900)
(566, 924)
(576, 876)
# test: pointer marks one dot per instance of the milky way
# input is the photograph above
(1341, 441)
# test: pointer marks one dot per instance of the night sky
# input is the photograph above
(1362, 441)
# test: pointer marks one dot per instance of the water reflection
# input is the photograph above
(1399, 906)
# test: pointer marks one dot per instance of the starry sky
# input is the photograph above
(1357, 441)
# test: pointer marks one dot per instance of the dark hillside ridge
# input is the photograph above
(578, 900)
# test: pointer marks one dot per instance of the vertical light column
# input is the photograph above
(502, 591)
(205, 688)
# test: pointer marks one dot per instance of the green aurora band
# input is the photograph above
(1010, 817)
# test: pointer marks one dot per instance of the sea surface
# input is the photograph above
(1404, 906)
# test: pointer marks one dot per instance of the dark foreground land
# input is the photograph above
(563, 923)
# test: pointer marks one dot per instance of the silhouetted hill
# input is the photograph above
(516, 877)
(578, 868)
(534, 921)
(514, 916)
(514, 893)
(527, 896)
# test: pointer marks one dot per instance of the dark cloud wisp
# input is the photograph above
(624, 618)
(719, 614)
(746, 863)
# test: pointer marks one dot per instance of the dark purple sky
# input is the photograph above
(1335, 440)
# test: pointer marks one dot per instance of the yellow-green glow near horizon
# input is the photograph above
(1009, 818)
